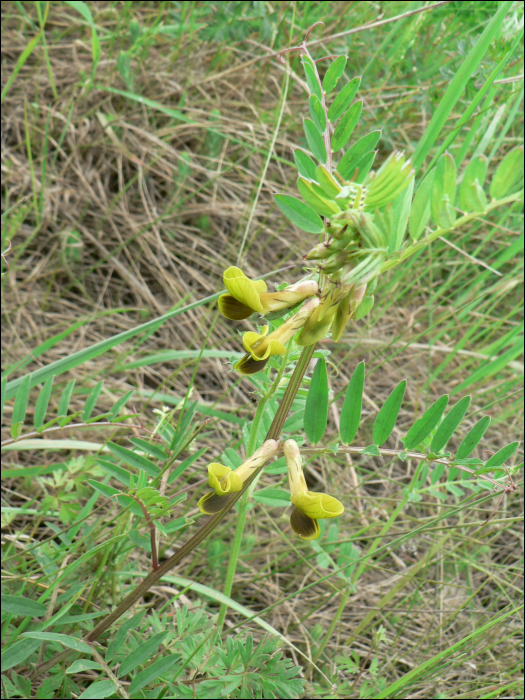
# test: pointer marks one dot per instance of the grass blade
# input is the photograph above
(78, 358)
(84, 10)
(458, 84)
(23, 58)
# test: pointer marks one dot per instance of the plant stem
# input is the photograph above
(291, 392)
(241, 516)
(418, 245)
(387, 452)
(243, 505)
(202, 534)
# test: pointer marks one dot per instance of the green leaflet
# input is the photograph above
(133, 459)
(346, 126)
(305, 165)
(316, 407)
(116, 472)
(299, 213)
(91, 401)
(42, 402)
(327, 182)
(507, 173)
(449, 424)
(426, 424)
(502, 455)
(386, 418)
(334, 72)
(349, 161)
(311, 77)
(352, 405)
(444, 192)
(473, 438)
(20, 407)
(317, 113)
(363, 166)
(343, 99)
(400, 213)
(272, 497)
(152, 672)
(365, 307)
(473, 178)
(420, 214)
(322, 206)
(315, 140)
(65, 399)
(146, 649)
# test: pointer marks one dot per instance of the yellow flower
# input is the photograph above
(224, 481)
(308, 507)
(261, 346)
(247, 296)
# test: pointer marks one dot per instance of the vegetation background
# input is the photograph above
(141, 144)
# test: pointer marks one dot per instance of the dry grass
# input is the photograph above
(124, 212)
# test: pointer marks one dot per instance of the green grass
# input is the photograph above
(142, 144)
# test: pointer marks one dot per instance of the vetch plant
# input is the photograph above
(361, 217)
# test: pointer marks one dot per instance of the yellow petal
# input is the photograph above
(318, 505)
(250, 338)
(222, 479)
(260, 286)
(232, 308)
(243, 289)
(276, 348)
(307, 528)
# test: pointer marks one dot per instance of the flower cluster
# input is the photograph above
(309, 507)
